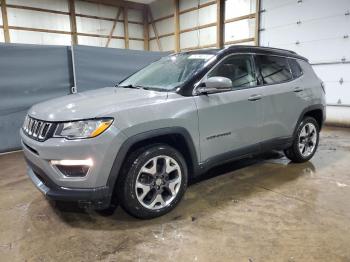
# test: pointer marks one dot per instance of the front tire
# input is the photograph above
(153, 181)
(305, 141)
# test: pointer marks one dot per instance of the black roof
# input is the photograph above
(249, 49)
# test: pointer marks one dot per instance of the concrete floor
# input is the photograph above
(253, 210)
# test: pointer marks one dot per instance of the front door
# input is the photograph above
(229, 121)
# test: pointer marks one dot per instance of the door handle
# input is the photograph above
(255, 97)
(298, 89)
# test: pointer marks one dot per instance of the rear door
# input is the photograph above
(229, 121)
(285, 96)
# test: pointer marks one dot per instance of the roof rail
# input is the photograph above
(263, 48)
(278, 49)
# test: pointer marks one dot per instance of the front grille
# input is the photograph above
(37, 129)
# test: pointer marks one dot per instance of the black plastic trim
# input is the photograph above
(97, 198)
(186, 89)
(121, 156)
(273, 144)
(30, 149)
(198, 168)
(309, 109)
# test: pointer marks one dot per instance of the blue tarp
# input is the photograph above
(33, 73)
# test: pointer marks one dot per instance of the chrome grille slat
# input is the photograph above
(35, 123)
(32, 121)
(36, 129)
(26, 122)
(45, 130)
(41, 130)
(29, 125)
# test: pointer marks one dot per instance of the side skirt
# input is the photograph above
(241, 153)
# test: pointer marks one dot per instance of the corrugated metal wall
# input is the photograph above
(200, 17)
(19, 17)
(160, 9)
(320, 31)
(235, 31)
(34, 19)
(243, 29)
(94, 26)
(317, 29)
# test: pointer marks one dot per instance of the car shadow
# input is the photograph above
(234, 181)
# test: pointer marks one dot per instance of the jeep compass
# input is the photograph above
(140, 142)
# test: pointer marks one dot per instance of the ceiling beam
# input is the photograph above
(186, 11)
(37, 9)
(198, 7)
(119, 3)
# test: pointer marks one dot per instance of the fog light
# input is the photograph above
(73, 168)
(69, 162)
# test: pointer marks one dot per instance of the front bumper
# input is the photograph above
(94, 189)
(98, 198)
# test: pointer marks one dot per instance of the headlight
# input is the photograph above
(82, 129)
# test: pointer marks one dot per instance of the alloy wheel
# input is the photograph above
(158, 182)
(307, 139)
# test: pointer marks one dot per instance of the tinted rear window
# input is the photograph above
(295, 67)
(274, 69)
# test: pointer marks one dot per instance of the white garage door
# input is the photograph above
(318, 30)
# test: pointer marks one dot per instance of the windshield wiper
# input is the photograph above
(131, 86)
(136, 87)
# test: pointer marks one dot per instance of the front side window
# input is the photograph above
(239, 69)
(274, 69)
(167, 73)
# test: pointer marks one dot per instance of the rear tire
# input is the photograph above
(153, 181)
(305, 141)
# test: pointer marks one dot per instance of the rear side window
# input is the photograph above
(295, 67)
(274, 69)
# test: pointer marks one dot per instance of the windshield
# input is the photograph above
(167, 73)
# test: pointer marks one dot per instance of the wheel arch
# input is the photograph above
(315, 111)
(317, 114)
(177, 137)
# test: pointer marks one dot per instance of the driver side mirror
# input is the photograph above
(215, 84)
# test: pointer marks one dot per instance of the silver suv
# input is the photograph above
(139, 143)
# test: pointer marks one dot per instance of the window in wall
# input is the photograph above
(274, 69)
(295, 67)
(239, 69)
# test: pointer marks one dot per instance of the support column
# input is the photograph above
(220, 19)
(73, 21)
(5, 21)
(126, 27)
(177, 25)
(145, 29)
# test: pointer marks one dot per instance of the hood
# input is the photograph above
(96, 103)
